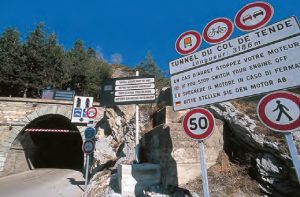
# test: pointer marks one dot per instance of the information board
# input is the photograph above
(272, 66)
(128, 90)
(236, 46)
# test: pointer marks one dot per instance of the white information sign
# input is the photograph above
(135, 81)
(236, 46)
(134, 98)
(80, 106)
(135, 87)
(272, 67)
(135, 92)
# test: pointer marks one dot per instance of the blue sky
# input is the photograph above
(124, 30)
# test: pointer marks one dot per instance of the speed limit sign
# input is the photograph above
(198, 123)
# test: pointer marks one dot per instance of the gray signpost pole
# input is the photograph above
(87, 170)
(203, 169)
(137, 127)
(294, 153)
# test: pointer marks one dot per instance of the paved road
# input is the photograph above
(43, 183)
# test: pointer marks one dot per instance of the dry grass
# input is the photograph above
(227, 179)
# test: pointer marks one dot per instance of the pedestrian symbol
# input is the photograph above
(282, 110)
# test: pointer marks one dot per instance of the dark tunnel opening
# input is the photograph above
(56, 143)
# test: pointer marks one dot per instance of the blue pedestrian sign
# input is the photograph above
(89, 133)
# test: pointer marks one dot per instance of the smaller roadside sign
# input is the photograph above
(128, 90)
(253, 16)
(91, 112)
(198, 123)
(188, 42)
(89, 133)
(88, 146)
(80, 106)
(217, 30)
(135, 81)
(136, 87)
(280, 111)
(135, 92)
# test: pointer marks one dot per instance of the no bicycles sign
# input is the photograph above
(217, 30)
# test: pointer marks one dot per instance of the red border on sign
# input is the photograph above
(230, 27)
(269, 13)
(210, 128)
(264, 119)
(198, 42)
(87, 112)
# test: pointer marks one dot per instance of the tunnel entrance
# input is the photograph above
(55, 143)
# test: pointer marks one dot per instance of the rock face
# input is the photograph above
(244, 140)
(178, 155)
(246, 143)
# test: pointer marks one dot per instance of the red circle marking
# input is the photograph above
(269, 13)
(210, 127)
(93, 115)
(193, 49)
(263, 117)
(229, 25)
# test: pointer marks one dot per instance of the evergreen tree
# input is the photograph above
(148, 67)
(11, 70)
(36, 53)
(53, 69)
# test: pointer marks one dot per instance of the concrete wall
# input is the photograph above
(177, 154)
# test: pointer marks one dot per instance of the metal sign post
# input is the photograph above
(87, 147)
(294, 153)
(137, 127)
(87, 170)
(203, 169)
(199, 125)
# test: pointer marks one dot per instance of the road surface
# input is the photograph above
(43, 183)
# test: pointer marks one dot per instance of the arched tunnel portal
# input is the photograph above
(49, 141)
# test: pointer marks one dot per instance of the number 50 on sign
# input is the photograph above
(198, 123)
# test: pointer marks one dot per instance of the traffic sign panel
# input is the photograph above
(217, 30)
(89, 132)
(91, 112)
(285, 28)
(253, 16)
(198, 123)
(271, 67)
(280, 111)
(188, 42)
(88, 146)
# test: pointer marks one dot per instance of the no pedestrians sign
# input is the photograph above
(280, 111)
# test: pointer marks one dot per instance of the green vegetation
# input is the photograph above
(148, 67)
(39, 62)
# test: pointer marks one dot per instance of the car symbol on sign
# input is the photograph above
(257, 13)
(247, 18)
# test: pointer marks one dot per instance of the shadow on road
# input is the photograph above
(77, 183)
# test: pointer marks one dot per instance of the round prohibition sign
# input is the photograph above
(188, 42)
(91, 112)
(217, 30)
(198, 123)
(280, 111)
(88, 147)
(253, 16)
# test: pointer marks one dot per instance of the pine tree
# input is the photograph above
(148, 67)
(11, 67)
(36, 53)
